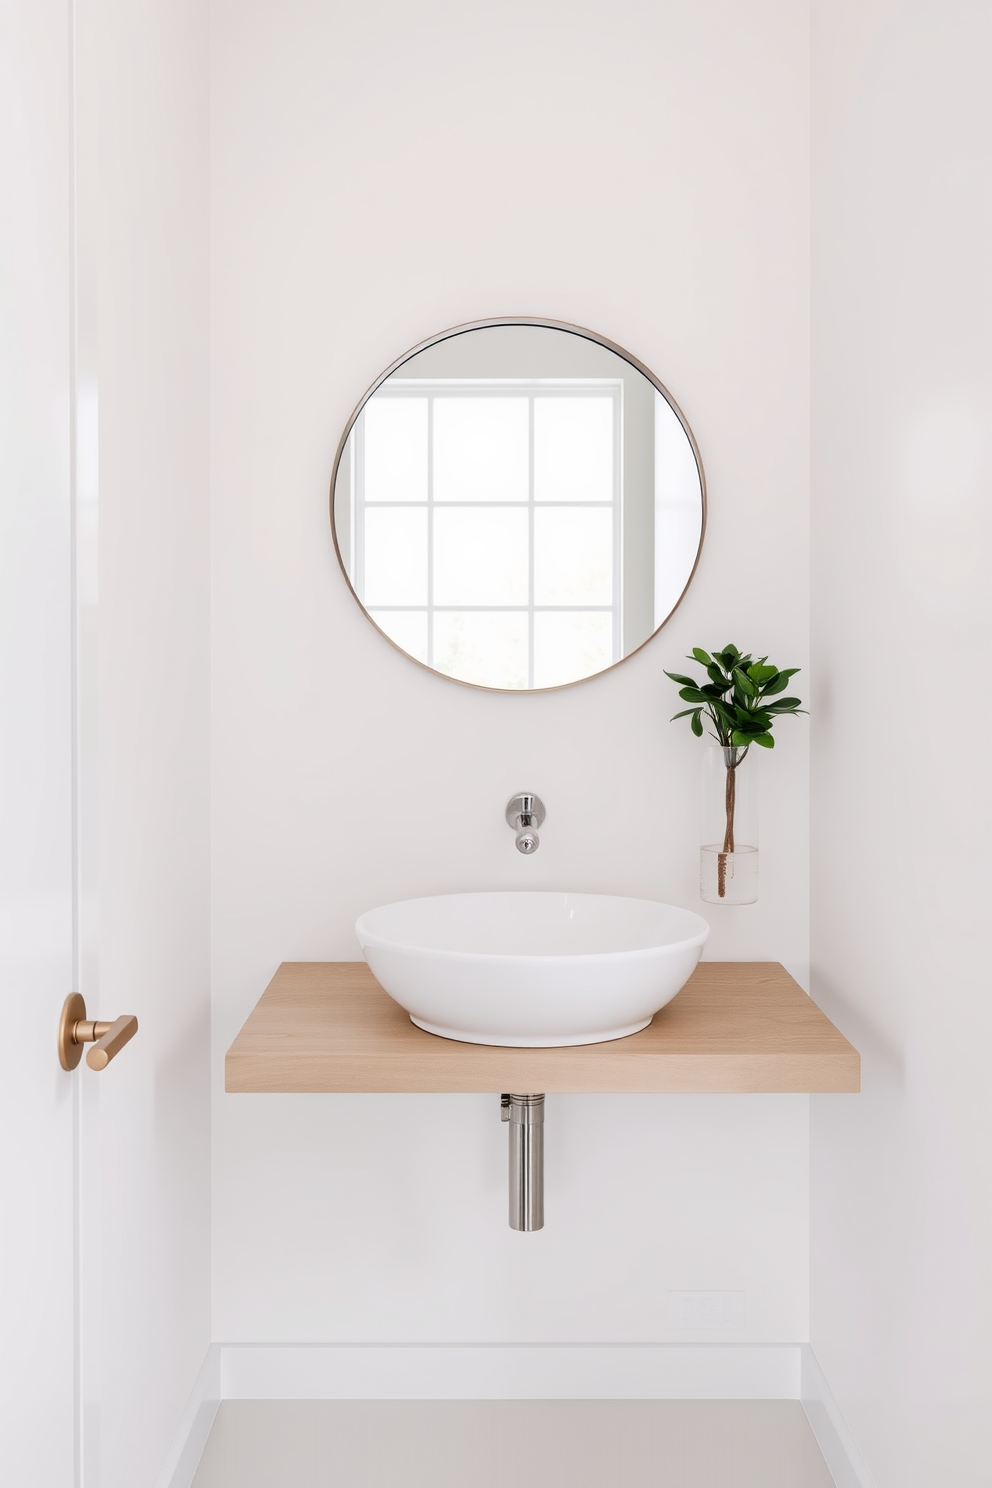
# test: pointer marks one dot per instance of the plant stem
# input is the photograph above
(730, 801)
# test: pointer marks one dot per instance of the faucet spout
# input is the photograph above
(527, 839)
(525, 813)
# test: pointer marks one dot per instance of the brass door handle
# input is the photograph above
(75, 1030)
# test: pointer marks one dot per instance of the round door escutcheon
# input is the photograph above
(73, 1012)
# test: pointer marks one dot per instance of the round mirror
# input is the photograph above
(518, 504)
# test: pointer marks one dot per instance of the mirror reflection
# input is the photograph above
(518, 505)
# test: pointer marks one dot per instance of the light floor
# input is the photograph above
(498, 1443)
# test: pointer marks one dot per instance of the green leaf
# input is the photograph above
(744, 682)
(717, 677)
(682, 681)
(697, 726)
(784, 705)
(701, 656)
(765, 740)
(691, 694)
(712, 691)
(728, 657)
(684, 714)
(780, 682)
(741, 740)
(759, 673)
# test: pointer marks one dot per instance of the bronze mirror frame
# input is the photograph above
(555, 325)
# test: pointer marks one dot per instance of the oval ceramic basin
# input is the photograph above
(531, 969)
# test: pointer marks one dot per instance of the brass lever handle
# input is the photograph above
(110, 1040)
(75, 1030)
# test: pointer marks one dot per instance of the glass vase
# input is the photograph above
(728, 857)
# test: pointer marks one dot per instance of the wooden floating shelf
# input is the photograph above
(736, 1026)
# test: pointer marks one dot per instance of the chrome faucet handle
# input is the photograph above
(525, 813)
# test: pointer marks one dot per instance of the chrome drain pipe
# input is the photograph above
(525, 1113)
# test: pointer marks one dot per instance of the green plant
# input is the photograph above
(741, 701)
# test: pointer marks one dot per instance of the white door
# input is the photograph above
(39, 1112)
(104, 1177)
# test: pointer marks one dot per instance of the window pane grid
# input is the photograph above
(430, 531)
(530, 540)
(598, 613)
(483, 505)
(521, 609)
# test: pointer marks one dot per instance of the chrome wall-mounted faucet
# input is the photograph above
(525, 813)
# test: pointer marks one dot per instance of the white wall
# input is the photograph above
(380, 172)
(901, 1297)
(142, 159)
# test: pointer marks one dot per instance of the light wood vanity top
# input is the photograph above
(736, 1026)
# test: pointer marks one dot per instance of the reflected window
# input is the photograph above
(486, 527)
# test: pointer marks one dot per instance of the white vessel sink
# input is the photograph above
(531, 969)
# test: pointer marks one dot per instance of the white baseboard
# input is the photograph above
(510, 1372)
(194, 1427)
(840, 1451)
(594, 1371)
